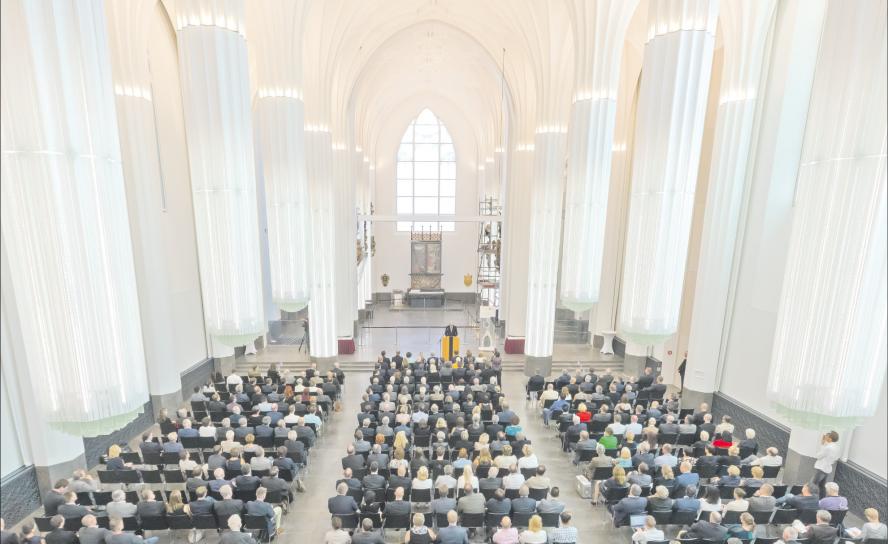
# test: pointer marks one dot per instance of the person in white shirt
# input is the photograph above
(291, 417)
(207, 429)
(725, 425)
(827, 456)
(446, 479)
(529, 460)
(649, 532)
(634, 426)
(617, 426)
(234, 379)
(770, 459)
(514, 480)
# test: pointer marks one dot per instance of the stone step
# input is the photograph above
(509, 365)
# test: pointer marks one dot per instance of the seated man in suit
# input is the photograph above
(234, 535)
(118, 507)
(59, 535)
(524, 504)
(491, 482)
(70, 509)
(499, 503)
(352, 460)
(374, 480)
(203, 506)
(632, 504)
(246, 481)
(342, 504)
(470, 502)
(453, 533)
(397, 507)
(551, 505)
(377, 456)
(274, 483)
(709, 530)
(821, 532)
(808, 500)
(271, 513)
(148, 445)
(91, 533)
(366, 534)
(443, 503)
(688, 503)
(243, 429)
(116, 535)
(218, 480)
(227, 506)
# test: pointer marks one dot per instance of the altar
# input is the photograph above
(425, 271)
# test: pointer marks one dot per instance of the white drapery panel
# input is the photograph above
(65, 226)
(322, 308)
(830, 344)
(276, 26)
(599, 30)
(547, 192)
(671, 111)
(215, 93)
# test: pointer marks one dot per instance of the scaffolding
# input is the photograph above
(490, 234)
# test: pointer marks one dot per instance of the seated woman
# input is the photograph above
(402, 442)
(113, 461)
(528, 458)
(732, 478)
(422, 481)
(583, 413)
(534, 534)
(483, 442)
(873, 529)
(370, 504)
(745, 530)
(609, 441)
(618, 479)
(467, 477)
(506, 459)
(739, 504)
(725, 440)
(175, 505)
(462, 459)
(629, 442)
(513, 428)
(250, 446)
(666, 478)
(625, 458)
(758, 477)
(711, 501)
(660, 501)
(483, 461)
(419, 533)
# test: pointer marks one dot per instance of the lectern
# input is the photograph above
(449, 346)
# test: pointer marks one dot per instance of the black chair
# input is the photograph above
(154, 458)
(43, 524)
(260, 524)
(132, 497)
(421, 495)
(205, 522)
(72, 524)
(771, 472)
(471, 521)
(683, 518)
(84, 498)
(375, 518)
(173, 476)
(154, 523)
(151, 476)
(512, 494)
(784, 516)
(550, 520)
(726, 491)
(838, 516)
(539, 494)
(779, 490)
(441, 520)
(131, 524)
(731, 517)
(179, 522)
(127, 476)
(396, 522)
(613, 495)
(492, 521)
(662, 517)
(528, 473)
(762, 518)
(808, 517)
(103, 522)
(602, 473)
(520, 520)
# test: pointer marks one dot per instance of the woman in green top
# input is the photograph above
(608, 440)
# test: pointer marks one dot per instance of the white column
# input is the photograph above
(216, 101)
(276, 29)
(599, 31)
(65, 227)
(146, 195)
(546, 198)
(322, 308)
(830, 344)
(346, 261)
(745, 27)
(514, 250)
(669, 133)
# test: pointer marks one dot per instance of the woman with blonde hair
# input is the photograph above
(565, 394)
(113, 461)
(401, 441)
(440, 424)
(175, 505)
(666, 477)
(422, 481)
(462, 459)
(467, 477)
(583, 413)
(419, 533)
(506, 459)
(660, 501)
(618, 479)
(483, 442)
(534, 534)
(398, 460)
(403, 416)
(250, 445)
(625, 458)
(484, 460)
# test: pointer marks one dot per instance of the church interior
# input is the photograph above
(508, 271)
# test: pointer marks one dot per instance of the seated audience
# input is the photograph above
(649, 532)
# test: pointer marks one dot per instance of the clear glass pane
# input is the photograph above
(427, 134)
(426, 152)
(404, 226)
(405, 170)
(426, 170)
(448, 205)
(425, 225)
(447, 153)
(445, 136)
(405, 205)
(426, 188)
(405, 187)
(426, 117)
(405, 152)
(446, 226)
(448, 170)
(425, 205)
(408, 135)
(448, 187)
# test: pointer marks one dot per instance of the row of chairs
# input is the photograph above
(102, 498)
(425, 495)
(487, 521)
(170, 522)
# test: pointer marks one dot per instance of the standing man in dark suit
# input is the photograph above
(450, 331)
(55, 498)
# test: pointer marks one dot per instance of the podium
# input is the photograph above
(449, 345)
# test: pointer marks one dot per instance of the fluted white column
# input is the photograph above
(828, 362)
(65, 228)
(745, 27)
(516, 232)
(546, 197)
(669, 133)
(216, 100)
(322, 308)
(599, 30)
(276, 26)
(346, 261)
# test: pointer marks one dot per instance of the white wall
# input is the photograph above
(12, 457)
(459, 248)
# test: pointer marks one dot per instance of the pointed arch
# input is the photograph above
(426, 173)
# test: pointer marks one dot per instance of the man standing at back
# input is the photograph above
(827, 456)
